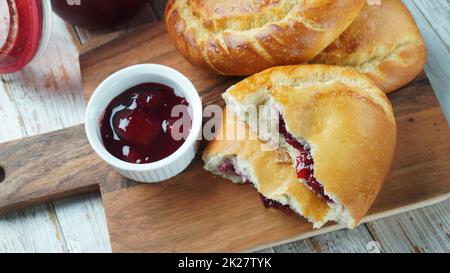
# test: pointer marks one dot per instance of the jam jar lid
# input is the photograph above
(25, 27)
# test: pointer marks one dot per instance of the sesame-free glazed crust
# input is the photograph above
(342, 115)
(243, 37)
(383, 42)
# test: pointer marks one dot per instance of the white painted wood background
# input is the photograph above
(47, 96)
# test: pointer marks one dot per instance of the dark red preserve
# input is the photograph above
(96, 12)
(138, 126)
(304, 163)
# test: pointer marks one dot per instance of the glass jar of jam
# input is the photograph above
(96, 12)
(24, 32)
(25, 25)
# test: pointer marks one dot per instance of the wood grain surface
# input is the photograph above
(423, 145)
(45, 168)
(43, 97)
(78, 224)
(196, 211)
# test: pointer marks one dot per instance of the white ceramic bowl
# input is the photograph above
(120, 81)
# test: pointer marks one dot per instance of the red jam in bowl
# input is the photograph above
(138, 125)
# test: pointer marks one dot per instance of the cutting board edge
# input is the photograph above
(366, 220)
(336, 227)
(90, 83)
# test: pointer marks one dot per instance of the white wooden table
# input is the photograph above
(47, 96)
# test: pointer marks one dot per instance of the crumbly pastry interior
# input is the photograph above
(337, 212)
(339, 115)
(239, 171)
(244, 162)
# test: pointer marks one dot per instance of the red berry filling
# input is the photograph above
(269, 203)
(304, 163)
(227, 167)
(137, 125)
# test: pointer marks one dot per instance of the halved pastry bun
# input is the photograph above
(335, 115)
(243, 161)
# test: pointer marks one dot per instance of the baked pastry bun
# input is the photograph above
(337, 126)
(383, 42)
(243, 37)
(244, 161)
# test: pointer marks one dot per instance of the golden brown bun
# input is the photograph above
(383, 42)
(274, 180)
(341, 114)
(243, 37)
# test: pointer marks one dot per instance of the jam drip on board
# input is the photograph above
(304, 163)
(137, 125)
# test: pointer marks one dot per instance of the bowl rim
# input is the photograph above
(93, 115)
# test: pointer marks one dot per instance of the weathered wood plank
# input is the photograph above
(38, 170)
(266, 251)
(437, 5)
(15, 236)
(424, 230)
(356, 241)
(47, 94)
(82, 220)
(437, 45)
(31, 230)
(423, 132)
(10, 118)
(395, 239)
(43, 97)
(35, 229)
(437, 15)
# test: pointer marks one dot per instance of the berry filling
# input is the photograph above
(304, 163)
(138, 126)
(227, 167)
(269, 203)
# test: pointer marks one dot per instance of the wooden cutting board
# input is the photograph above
(197, 211)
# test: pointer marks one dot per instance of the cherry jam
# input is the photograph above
(304, 163)
(269, 203)
(228, 167)
(138, 125)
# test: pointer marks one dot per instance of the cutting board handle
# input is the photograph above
(47, 167)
